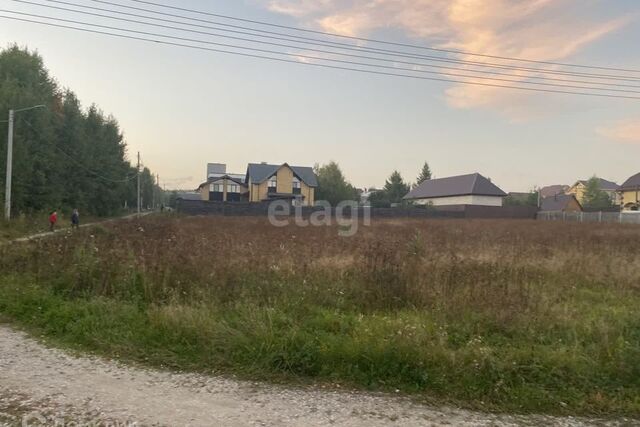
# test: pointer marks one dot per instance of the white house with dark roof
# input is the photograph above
(471, 189)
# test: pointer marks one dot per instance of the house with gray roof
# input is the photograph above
(629, 194)
(560, 203)
(609, 187)
(261, 182)
(281, 182)
(471, 189)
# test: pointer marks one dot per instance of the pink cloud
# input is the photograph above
(542, 30)
(624, 131)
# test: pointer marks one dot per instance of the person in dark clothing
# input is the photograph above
(53, 219)
(75, 219)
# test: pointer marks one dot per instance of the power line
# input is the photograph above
(519, 78)
(316, 64)
(77, 161)
(355, 47)
(454, 51)
(316, 58)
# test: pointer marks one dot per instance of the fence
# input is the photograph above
(200, 207)
(607, 217)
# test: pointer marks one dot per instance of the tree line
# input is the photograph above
(334, 187)
(64, 156)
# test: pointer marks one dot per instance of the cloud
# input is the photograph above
(624, 131)
(542, 30)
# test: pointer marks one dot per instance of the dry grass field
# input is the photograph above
(503, 315)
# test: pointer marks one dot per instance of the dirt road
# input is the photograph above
(42, 386)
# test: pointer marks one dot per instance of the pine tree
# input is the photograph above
(425, 174)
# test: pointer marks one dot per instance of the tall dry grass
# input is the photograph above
(517, 315)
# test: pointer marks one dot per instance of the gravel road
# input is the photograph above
(44, 386)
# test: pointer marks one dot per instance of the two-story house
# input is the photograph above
(262, 182)
(281, 182)
(609, 187)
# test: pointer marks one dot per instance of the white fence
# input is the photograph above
(609, 217)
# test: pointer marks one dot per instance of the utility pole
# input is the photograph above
(139, 201)
(7, 190)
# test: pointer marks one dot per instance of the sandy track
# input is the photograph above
(49, 385)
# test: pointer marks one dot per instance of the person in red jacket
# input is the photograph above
(53, 218)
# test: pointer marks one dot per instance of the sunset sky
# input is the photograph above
(183, 108)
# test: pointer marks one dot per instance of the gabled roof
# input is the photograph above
(552, 190)
(605, 185)
(556, 203)
(260, 172)
(462, 185)
(213, 179)
(632, 183)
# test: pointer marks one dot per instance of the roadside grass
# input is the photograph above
(501, 315)
(26, 225)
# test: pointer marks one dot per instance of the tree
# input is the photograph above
(393, 191)
(425, 174)
(594, 198)
(64, 157)
(522, 199)
(332, 185)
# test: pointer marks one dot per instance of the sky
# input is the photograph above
(182, 108)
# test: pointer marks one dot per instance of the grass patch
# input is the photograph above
(489, 314)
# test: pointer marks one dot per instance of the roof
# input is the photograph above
(605, 185)
(633, 183)
(232, 178)
(552, 190)
(462, 185)
(557, 202)
(236, 176)
(260, 172)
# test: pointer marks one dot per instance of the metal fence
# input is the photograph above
(608, 217)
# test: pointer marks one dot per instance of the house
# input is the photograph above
(222, 186)
(629, 194)
(281, 182)
(471, 189)
(611, 188)
(560, 203)
(552, 190)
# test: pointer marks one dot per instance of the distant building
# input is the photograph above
(221, 186)
(471, 189)
(552, 190)
(629, 194)
(261, 182)
(611, 188)
(561, 203)
(281, 182)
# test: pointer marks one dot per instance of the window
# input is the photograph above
(233, 188)
(273, 184)
(296, 186)
(217, 188)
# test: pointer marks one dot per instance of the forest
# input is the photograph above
(65, 156)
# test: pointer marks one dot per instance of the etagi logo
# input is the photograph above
(346, 214)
